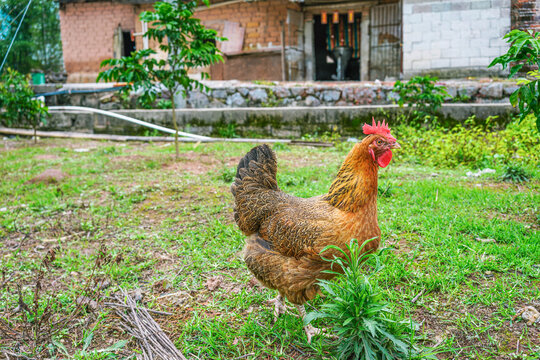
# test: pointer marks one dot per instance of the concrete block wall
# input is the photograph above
(453, 38)
(87, 31)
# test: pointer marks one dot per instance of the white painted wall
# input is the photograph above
(453, 35)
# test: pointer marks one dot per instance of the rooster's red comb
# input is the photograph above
(378, 128)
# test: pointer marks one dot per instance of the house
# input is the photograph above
(313, 39)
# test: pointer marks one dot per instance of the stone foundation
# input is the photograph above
(234, 94)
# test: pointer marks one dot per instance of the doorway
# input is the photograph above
(332, 30)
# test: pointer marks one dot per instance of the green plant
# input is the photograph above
(188, 45)
(367, 327)
(515, 173)
(524, 51)
(86, 354)
(229, 131)
(421, 95)
(228, 174)
(470, 145)
(164, 104)
(17, 102)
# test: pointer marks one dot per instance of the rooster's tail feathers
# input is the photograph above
(255, 180)
(256, 170)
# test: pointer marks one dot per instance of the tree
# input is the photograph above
(188, 45)
(524, 51)
(17, 107)
(38, 44)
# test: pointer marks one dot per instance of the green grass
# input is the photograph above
(171, 223)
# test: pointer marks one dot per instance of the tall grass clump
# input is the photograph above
(367, 327)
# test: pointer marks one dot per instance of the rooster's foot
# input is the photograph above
(279, 306)
(312, 331)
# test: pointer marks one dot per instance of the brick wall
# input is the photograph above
(87, 35)
(526, 14)
(261, 20)
(453, 38)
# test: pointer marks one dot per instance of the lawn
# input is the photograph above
(464, 252)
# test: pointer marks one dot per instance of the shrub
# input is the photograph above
(367, 327)
(421, 95)
(470, 145)
(515, 173)
(17, 103)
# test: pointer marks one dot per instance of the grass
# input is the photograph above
(170, 225)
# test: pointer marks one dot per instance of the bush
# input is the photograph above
(421, 95)
(16, 102)
(515, 173)
(470, 144)
(367, 327)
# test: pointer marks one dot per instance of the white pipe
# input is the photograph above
(127, 118)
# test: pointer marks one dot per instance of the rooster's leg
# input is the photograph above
(279, 306)
(311, 330)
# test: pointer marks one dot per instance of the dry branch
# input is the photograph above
(138, 322)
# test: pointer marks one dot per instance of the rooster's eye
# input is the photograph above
(379, 142)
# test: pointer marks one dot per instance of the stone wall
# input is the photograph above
(234, 94)
(454, 37)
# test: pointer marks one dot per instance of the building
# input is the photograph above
(313, 39)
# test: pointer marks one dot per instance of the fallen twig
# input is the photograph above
(149, 310)
(415, 299)
(243, 356)
(137, 322)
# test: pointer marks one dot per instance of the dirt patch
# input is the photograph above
(49, 176)
(46, 157)
(193, 163)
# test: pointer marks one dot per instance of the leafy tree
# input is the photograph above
(524, 51)
(422, 96)
(17, 108)
(38, 44)
(188, 45)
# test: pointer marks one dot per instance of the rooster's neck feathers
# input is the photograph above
(356, 182)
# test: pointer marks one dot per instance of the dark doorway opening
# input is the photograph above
(128, 43)
(344, 32)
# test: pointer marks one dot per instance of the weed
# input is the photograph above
(228, 174)
(422, 96)
(43, 314)
(280, 147)
(228, 132)
(515, 173)
(367, 327)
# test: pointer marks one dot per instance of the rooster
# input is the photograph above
(285, 234)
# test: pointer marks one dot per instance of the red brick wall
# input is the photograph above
(261, 19)
(526, 14)
(87, 35)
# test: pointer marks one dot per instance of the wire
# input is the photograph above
(14, 36)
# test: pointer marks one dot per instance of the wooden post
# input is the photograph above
(283, 61)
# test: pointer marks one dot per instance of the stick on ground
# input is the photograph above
(138, 322)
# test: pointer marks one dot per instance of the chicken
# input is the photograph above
(285, 234)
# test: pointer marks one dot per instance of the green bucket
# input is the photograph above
(38, 78)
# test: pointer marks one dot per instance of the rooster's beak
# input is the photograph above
(395, 146)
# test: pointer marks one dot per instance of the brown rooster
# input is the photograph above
(285, 234)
